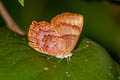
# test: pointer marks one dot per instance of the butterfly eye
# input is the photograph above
(57, 39)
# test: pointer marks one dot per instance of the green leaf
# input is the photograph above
(20, 62)
(21, 2)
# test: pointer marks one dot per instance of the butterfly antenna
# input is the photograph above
(80, 48)
(49, 58)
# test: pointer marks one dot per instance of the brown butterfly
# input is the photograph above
(58, 38)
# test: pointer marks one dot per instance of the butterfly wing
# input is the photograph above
(57, 38)
(43, 38)
(69, 27)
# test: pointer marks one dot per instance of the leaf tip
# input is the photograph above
(21, 2)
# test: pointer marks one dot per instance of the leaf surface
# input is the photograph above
(20, 62)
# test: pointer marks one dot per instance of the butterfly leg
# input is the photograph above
(60, 60)
(68, 59)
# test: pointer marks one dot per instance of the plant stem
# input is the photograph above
(9, 21)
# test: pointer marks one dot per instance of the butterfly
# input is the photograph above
(57, 39)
